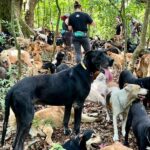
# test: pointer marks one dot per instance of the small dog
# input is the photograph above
(59, 57)
(120, 101)
(85, 141)
(116, 146)
(67, 88)
(140, 123)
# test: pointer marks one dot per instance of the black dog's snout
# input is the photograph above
(111, 62)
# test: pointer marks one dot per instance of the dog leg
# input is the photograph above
(127, 129)
(67, 113)
(77, 119)
(24, 121)
(107, 115)
(115, 137)
(125, 116)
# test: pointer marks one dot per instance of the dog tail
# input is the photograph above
(7, 112)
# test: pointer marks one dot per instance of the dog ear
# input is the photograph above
(125, 84)
(127, 87)
(88, 53)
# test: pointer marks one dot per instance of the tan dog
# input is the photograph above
(47, 119)
(11, 55)
(23, 42)
(34, 47)
(116, 146)
(143, 68)
(119, 59)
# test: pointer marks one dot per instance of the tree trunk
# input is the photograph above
(29, 15)
(57, 28)
(5, 14)
(13, 15)
(141, 46)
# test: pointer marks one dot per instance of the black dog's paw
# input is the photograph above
(126, 143)
(76, 131)
(67, 131)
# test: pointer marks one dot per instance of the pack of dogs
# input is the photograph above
(89, 81)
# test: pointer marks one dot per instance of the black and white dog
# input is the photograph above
(86, 141)
(69, 88)
(140, 122)
(126, 76)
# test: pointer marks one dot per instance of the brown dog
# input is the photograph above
(119, 59)
(143, 68)
(116, 146)
(46, 119)
(11, 56)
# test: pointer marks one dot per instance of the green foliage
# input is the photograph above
(37, 122)
(2, 40)
(57, 146)
(102, 12)
(5, 85)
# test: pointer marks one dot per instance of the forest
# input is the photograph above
(74, 74)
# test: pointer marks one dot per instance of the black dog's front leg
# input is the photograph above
(127, 128)
(77, 118)
(67, 113)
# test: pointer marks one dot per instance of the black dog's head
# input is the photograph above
(89, 139)
(97, 60)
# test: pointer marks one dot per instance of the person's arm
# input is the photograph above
(70, 28)
(93, 24)
(90, 21)
(69, 24)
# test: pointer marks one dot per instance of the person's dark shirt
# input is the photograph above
(118, 29)
(79, 21)
(64, 26)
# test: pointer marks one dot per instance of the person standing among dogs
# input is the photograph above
(119, 28)
(78, 22)
(66, 34)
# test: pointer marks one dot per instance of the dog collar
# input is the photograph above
(83, 65)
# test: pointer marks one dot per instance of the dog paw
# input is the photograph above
(115, 138)
(123, 133)
(67, 131)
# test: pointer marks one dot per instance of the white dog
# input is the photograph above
(98, 92)
(120, 101)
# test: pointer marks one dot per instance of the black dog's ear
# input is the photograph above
(89, 53)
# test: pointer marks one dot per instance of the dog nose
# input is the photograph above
(111, 62)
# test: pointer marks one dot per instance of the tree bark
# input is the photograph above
(141, 46)
(57, 28)
(29, 14)
(5, 14)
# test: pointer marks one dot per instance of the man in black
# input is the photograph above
(78, 22)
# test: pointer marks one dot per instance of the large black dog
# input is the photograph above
(126, 76)
(69, 88)
(140, 122)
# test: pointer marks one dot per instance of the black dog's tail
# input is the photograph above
(7, 111)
